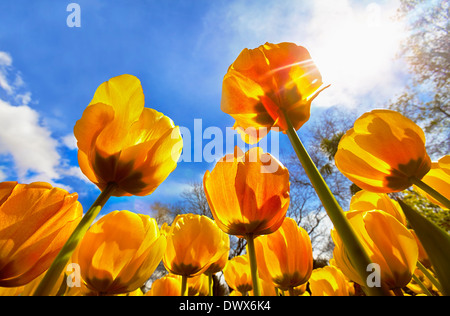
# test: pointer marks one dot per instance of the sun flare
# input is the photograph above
(356, 52)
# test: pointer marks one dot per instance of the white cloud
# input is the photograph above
(70, 141)
(5, 63)
(5, 59)
(25, 143)
(30, 145)
(3, 175)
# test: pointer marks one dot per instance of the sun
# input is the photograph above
(356, 53)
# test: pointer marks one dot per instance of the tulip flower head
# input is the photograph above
(35, 221)
(237, 274)
(244, 199)
(329, 281)
(122, 142)
(366, 201)
(439, 179)
(285, 256)
(383, 152)
(194, 242)
(388, 243)
(265, 83)
(120, 252)
(168, 285)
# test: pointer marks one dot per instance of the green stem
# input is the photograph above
(421, 285)
(60, 262)
(184, 288)
(429, 276)
(435, 194)
(210, 284)
(357, 254)
(253, 264)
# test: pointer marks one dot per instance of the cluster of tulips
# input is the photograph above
(382, 246)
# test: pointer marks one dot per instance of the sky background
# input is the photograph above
(180, 50)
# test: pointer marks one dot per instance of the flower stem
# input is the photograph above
(435, 194)
(210, 284)
(429, 276)
(184, 288)
(58, 265)
(421, 285)
(253, 264)
(356, 252)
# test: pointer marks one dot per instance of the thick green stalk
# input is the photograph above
(435, 194)
(60, 262)
(356, 252)
(253, 264)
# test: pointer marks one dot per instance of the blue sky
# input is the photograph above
(180, 50)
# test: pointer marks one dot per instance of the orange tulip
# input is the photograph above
(264, 83)
(237, 274)
(285, 256)
(120, 252)
(194, 242)
(383, 152)
(388, 243)
(329, 281)
(439, 179)
(35, 221)
(168, 285)
(367, 201)
(444, 164)
(248, 193)
(219, 264)
(124, 143)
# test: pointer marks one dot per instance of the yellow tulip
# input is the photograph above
(194, 242)
(248, 193)
(384, 152)
(35, 221)
(168, 285)
(366, 201)
(237, 274)
(264, 83)
(388, 243)
(285, 256)
(444, 163)
(120, 252)
(218, 265)
(329, 281)
(439, 179)
(198, 285)
(122, 142)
